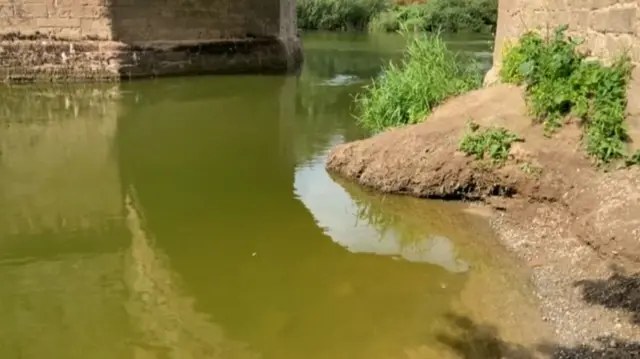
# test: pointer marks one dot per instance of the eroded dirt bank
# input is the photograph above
(578, 227)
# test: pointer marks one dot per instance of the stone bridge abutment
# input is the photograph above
(104, 40)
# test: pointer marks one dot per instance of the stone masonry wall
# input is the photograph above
(608, 28)
(69, 40)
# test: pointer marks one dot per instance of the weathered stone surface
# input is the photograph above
(105, 40)
(609, 28)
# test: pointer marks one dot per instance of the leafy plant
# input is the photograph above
(338, 14)
(405, 93)
(560, 81)
(448, 16)
(387, 15)
(492, 142)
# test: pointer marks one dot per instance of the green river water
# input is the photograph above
(192, 218)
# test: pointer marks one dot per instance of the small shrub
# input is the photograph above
(449, 16)
(492, 142)
(406, 93)
(338, 14)
(560, 81)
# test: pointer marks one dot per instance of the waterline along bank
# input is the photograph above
(550, 145)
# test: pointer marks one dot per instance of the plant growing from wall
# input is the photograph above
(560, 81)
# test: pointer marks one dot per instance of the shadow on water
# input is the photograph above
(471, 340)
(61, 230)
(621, 291)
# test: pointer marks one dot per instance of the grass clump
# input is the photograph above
(449, 16)
(405, 93)
(490, 142)
(561, 80)
(338, 15)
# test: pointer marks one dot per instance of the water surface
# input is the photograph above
(193, 218)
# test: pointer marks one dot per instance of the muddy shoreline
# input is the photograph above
(577, 227)
(569, 279)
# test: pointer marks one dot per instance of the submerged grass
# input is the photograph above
(405, 93)
(561, 81)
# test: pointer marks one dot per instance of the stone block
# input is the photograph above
(105, 33)
(616, 20)
(602, 4)
(57, 22)
(609, 27)
(579, 20)
(36, 10)
(96, 28)
(578, 4)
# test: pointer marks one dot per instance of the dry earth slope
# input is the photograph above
(573, 220)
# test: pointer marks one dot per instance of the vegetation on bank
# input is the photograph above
(562, 81)
(407, 92)
(387, 15)
(338, 15)
(448, 16)
(491, 142)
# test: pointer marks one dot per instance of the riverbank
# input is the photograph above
(449, 16)
(566, 218)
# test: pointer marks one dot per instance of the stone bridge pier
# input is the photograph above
(107, 40)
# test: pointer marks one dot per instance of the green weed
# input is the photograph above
(492, 142)
(407, 92)
(338, 14)
(448, 16)
(633, 159)
(561, 80)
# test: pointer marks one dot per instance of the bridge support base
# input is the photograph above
(58, 60)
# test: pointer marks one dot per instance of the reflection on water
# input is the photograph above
(57, 165)
(354, 224)
(192, 218)
(166, 322)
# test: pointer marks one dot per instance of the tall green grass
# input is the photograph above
(479, 16)
(338, 14)
(450, 16)
(407, 92)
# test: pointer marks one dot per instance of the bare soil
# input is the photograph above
(578, 226)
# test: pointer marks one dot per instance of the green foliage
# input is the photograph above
(338, 14)
(493, 142)
(382, 15)
(562, 81)
(447, 16)
(406, 93)
(634, 159)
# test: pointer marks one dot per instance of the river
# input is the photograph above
(193, 218)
